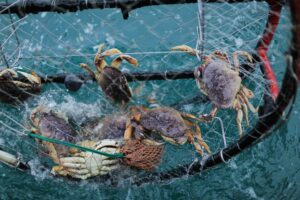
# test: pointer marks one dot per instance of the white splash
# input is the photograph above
(110, 40)
(38, 171)
(239, 42)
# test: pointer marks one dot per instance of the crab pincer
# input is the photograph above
(110, 78)
(16, 85)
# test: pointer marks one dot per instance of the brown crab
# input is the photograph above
(173, 126)
(220, 80)
(114, 127)
(140, 152)
(109, 127)
(16, 85)
(72, 162)
(50, 124)
(112, 81)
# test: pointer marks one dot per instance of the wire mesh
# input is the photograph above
(51, 43)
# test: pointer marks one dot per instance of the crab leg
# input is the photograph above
(210, 116)
(200, 140)
(99, 59)
(236, 62)
(185, 48)
(52, 152)
(88, 69)
(245, 112)
(243, 106)
(129, 131)
(191, 140)
(220, 55)
(250, 106)
(190, 116)
(21, 84)
(239, 119)
(247, 92)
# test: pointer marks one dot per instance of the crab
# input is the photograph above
(71, 161)
(140, 153)
(112, 81)
(109, 127)
(220, 81)
(50, 124)
(173, 126)
(16, 85)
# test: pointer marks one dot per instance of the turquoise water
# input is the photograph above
(269, 170)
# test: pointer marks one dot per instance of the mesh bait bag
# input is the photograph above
(141, 155)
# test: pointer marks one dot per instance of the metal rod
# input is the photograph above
(24, 7)
(136, 76)
(12, 161)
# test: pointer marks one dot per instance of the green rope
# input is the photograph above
(68, 144)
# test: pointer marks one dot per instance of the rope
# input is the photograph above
(223, 131)
(93, 54)
(72, 145)
(3, 56)
(200, 30)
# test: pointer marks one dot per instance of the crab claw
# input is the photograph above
(185, 48)
(247, 92)
(244, 54)
(100, 48)
(117, 61)
(32, 78)
(9, 73)
(110, 52)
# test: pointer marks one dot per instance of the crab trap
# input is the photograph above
(142, 91)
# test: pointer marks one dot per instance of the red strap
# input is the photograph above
(269, 73)
(264, 43)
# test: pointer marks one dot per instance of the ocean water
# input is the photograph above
(268, 170)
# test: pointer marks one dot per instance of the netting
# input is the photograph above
(53, 44)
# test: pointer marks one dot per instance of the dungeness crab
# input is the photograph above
(220, 80)
(16, 85)
(72, 162)
(112, 81)
(173, 126)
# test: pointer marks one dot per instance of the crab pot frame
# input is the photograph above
(136, 76)
(270, 112)
(272, 109)
(23, 7)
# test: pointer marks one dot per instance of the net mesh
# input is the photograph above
(51, 43)
(142, 156)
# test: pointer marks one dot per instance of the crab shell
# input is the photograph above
(167, 122)
(17, 85)
(110, 127)
(219, 82)
(114, 84)
(51, 125)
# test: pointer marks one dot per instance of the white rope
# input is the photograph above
(222, 157)
(223, 131)
(200, 30)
